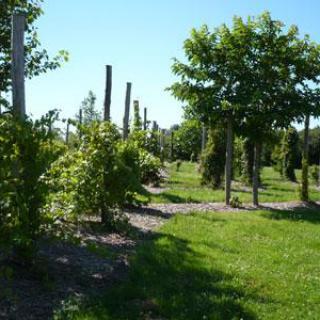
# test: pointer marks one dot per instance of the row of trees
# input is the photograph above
(45, 182)
(251, 78)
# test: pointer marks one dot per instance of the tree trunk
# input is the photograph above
(255, 173)
(127, 112)
(107, 99)
(203, 137)
(305, 159)
(18, 65)
(172, 146)
(228, 166)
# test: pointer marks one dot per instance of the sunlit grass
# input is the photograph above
(256, 265)
(185, 186)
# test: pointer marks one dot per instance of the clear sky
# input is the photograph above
(139, 39)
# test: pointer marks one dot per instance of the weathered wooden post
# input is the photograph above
(67, 131)
(18, 65)
(107, 99)
(127, 111)
(145, 119)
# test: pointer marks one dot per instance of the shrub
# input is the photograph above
(27, 149)
(314, 173)
(213, 159)
(150, 168)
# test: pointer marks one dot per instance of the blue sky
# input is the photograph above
(139, 39)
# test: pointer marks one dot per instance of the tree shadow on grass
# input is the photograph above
(169, 280)
(171, 198)
(309, 213)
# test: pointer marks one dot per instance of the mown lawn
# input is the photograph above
(184, 186)
(253, 265)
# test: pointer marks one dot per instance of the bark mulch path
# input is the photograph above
(99, 260)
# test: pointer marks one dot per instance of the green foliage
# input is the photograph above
(187, 140)
(314, 173)
(235, 202)
(101, 176)
(213, 158)
(290, 153)
(89, 112)
(37, 59)
(150, 168)
(137, 121)
(27, 149)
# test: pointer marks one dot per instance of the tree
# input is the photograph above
(213, 158)
(137, 121)
(212, 82)
(187, 140)
(290, 153)
(37, 59)
(88, 107)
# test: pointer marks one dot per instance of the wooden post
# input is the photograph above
(127, 111)
(67, 132)
(145, 120)
(18, 65)
(107, 99)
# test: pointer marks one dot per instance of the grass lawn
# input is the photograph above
(253, 265)
(184, 186)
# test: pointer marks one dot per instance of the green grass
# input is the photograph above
(185, 186)
(255, 265)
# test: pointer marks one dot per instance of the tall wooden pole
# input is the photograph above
(67, 132)
(127, 111)
(107, 99)
(145, 119)
(18, 65)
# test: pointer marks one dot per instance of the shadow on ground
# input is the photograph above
(309, 212)
(168, 281)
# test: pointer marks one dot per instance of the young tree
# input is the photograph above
(89, 111)
(290, 153)
(212, 82)
(137, 121)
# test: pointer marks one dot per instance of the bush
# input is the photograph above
(213, 159)
(314, 173)
(150, 168)
(27, 149)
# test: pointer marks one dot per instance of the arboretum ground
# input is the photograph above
(245, 264)
(184, 186)
(248, 265)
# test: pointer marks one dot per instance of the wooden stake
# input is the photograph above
(18, 65)
(127, 111)
(107, 100)
(67, 132)
(145, 120)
